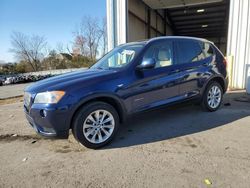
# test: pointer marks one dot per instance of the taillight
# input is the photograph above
(225, 62)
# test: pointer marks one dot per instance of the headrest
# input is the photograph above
(163, 55)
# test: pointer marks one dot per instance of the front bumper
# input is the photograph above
(40, 130)
(56, 123)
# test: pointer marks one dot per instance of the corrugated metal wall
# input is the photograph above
(144, 22)
(239, 41)
(133, 20)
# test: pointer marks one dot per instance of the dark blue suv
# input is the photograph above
(132, 78)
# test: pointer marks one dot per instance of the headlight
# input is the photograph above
(50, 97)
(27, 99)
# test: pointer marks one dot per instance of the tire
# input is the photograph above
(210, 95)
(92, 133)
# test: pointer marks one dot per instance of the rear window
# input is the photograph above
(189, 51)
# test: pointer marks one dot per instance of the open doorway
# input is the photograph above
(152, 18)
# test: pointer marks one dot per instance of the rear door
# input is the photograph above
(194, 64)
(158, 85)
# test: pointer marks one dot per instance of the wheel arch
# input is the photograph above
(218, 79)
(107, 98)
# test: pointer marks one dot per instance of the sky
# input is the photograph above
(54, 19)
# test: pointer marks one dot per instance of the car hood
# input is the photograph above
(64, 81)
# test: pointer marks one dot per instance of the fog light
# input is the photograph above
(43, 113)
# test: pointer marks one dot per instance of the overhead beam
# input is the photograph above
(199, 17)
(204, 35)
(188, 12)
(203, 32)
(216, 24)
(201, 29)
(195, 22)
(210, 5)
(163, 4)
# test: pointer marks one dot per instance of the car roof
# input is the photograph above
(143, 42)
(146, 41)
(178, 37)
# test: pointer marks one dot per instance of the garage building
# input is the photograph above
(225, 22)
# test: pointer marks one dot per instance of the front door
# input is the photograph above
(159, 85)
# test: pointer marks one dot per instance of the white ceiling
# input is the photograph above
(162, 4)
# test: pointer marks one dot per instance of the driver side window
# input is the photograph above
(121, 58)
(161, 52)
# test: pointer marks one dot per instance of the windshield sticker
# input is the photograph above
(128, 52)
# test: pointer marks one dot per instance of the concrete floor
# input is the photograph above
(178, 146)
(9, 91)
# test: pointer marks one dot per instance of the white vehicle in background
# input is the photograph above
(9, 80)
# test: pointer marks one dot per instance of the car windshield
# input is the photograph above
(118, 57)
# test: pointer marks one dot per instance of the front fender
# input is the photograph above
(101, 96)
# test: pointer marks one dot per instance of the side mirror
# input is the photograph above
(146, 64)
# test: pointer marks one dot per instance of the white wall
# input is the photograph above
(116, 22)
(238, 44)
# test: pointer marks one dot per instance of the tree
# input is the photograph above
(8, 68)
(104, 36)
(60, 47)
(28, 48)
(88, 37)
(21, 67)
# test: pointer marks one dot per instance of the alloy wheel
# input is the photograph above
(214, 97)
(98, 126)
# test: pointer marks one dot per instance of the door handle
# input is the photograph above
(175, 71)
(205, 64)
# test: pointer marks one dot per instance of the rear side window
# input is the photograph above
(207, 49)
(189, 51)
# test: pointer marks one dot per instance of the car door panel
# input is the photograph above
(155, 88)
(191, 74)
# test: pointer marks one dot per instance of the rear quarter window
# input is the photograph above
(207, 49)
(189, 51)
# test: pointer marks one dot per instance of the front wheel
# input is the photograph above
(95, 124)
(212, 97)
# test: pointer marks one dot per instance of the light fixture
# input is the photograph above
(204, 26)
(201, 10)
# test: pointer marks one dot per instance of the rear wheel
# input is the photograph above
(212, 97)
(95, 124)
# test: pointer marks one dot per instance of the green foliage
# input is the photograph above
(52, 62)
(21, 67)
(81, 61)
(8, 68)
